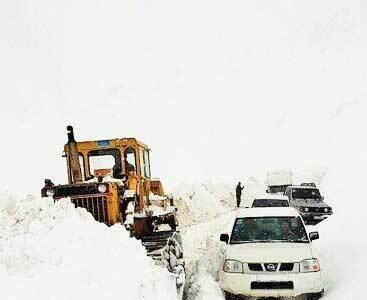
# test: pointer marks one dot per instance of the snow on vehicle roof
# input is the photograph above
(268, 212)
(279, 178)
(303, 187)
(271, 196)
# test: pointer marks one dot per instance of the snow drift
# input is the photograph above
(54, 251)
(200, 202)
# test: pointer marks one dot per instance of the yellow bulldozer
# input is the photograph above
(111, 179)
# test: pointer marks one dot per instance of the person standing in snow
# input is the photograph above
(239, 189)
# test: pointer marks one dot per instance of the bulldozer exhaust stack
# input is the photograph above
(73, 157)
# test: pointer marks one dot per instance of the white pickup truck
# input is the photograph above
(268, 253)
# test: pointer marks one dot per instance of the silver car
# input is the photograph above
(309, 202)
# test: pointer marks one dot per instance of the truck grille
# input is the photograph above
(95, 204)
(264, 267)
(63, 191)
(272, 285)
(315, 209)
(255, 267)
(286, 267)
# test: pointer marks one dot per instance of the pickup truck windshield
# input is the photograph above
(270, 203)
(269, 229)
(306, 193)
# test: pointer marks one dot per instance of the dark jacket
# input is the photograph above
(239, 189)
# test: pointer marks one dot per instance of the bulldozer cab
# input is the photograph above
(107, 171)
(115, 158)
(126, 159)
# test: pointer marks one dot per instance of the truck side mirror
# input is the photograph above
(314, 236)
(224, 238)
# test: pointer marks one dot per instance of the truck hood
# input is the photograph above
(310, 202)
(269, 252)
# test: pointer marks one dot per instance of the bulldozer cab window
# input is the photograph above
(130, 160)
(147, 163)
(81, 162)
(144, 163)
(106, 159)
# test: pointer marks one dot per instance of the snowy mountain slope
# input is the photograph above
(215, 84)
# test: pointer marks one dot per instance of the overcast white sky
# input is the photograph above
(224, 89)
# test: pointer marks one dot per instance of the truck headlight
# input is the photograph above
(50, 192)
(309, 265)
(326, 209)
(102, 188)
(233, 266)
(306, 209)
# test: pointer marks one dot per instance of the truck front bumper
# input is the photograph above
(310, 216)
(271, 285)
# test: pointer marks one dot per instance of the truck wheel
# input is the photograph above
(315, 296)
(228, 296)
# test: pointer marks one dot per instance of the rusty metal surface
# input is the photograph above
(94, 204)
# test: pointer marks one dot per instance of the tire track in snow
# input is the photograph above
(202, 252)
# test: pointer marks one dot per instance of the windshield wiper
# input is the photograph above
(291, 241)
(269, 241)
(264, 241)
(240, 242)
(298, 241)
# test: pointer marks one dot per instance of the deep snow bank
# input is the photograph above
(54, 251)
(200, 202)
(342, 243)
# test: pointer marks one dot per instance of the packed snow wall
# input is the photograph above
(53, 251)
(202, 201)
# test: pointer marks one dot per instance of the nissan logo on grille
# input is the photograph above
(271, 267)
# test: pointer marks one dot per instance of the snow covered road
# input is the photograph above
(342, 245)
(201, 244)
(40, 250)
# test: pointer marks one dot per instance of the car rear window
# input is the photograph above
(270, 203)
